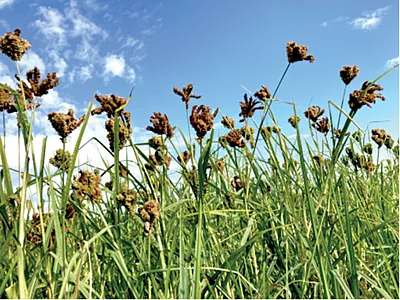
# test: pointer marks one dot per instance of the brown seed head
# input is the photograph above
(228, 122)
(161, 125)
(186, 94)
(357, 101)
(156, 142)
(379, 136)
(36, 87)
(297, 53)
(184, 157)
(202, 120)
(263, 94)
(6, 101)
(64, 124)
(109, 104)
(248, 134)
(128, 198)
(125, 130)
(294, 121)
(87, 184)
(248, 107)
(61, 160)
(322, 125)
(234, 139)
(70, 212)
(220, 165)
(237, 183)
(149, 213)
(313, 113)
(348, 73)
(12, 45)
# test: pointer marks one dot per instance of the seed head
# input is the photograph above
(357, 101)
(12, 45)
(313, 113)
(220, 165)
(202, 120)
(161, 125)
(186, 94)
(322, 125)
(87, 184)
(149, 212)
(155, 142)
(379, 136)
(237, 183)
(297, 53)
(61, 160)
(128, 198)
(109, 104)
(228, 122)
(294, 121)
(348, 73)
(125, 130)
(368, 148)
(64, 124)
(263, 94)
(234, 139)
(6, 101)
(248, 107)
(184, 157)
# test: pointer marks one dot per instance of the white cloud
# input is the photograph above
(324, 24)
(82, 26)
(53, 26)
(4, 3)
(3, 23)
(53, 100)
(31, 60)
(5, 78)
(85, 73)
(59, 63)
(114, 65)
(86, 51)
(370, 20)
(392, 62)
(133, 42)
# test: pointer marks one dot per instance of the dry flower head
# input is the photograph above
(365, 96)
(235, 139)
(248, 107)
(87, 184)
(313, 113)
(12, 45)
(64, 124)
(263, 94)
(186, 94)
(297, 53)
(202, 120)
(227, 122)
(348, 73)
(109, 104)
(161, 125)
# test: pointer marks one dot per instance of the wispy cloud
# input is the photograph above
(392, 62)
(324, 24)
(4, 3)
(31, 60)
(369, 20)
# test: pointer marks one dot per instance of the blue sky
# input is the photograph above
(99, 46)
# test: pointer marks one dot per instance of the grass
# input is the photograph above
(286, 218)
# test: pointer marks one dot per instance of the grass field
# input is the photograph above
(251, 214)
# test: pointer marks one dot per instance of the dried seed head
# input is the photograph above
(202, 120)
(162, 158)
(263, 94)
(348, 73)
(338, 133)
(379, 136)
(156, 142)
(248, 107)
(62, 160)
(358, 100)
(220, 165)
(12, 45)
(36, 87)
(319, 159)
(128, 198)
(322, 125)
(369, 166)
(149, 213)
(6, 101)
(297, 53)
(186, 94)
(248, 134)
(109, 104)
(87, 184)
(125, 130)
(268, 130)
(64, 124)
(161, 125)
(234, 139)
(184, 157)
(70, 212)
(228, 122)
(368, 148)
(237, 183)
(313, 113)
(294, 121)
(357, 136)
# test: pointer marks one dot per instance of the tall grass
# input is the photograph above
(285, 219)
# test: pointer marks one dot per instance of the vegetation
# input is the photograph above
(252, 214)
